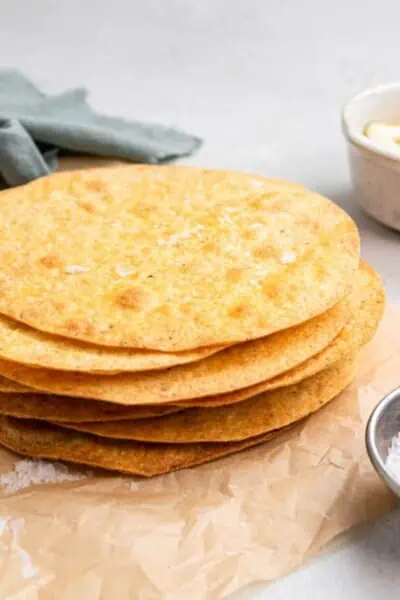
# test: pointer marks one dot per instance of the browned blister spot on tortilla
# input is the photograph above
(164, 310)
(186, 308)
(146, 252)
(249, 235)
(59, 305)
(350, 244)
(142, 211)
(256, 203)
(96, 186)
(209, 247)
(303, 220)
(51, 261)
(240, 310)
(88, 206)
(270, 288)
(265, 252)
(235, 275)
(76, 328)
(133, 298)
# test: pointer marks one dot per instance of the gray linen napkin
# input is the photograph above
(35, 126)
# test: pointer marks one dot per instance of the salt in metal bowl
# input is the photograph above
(383, 425)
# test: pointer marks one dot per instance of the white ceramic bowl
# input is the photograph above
(375, 172)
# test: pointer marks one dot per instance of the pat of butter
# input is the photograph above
(385, 136)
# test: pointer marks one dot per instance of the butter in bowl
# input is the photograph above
(371, 125)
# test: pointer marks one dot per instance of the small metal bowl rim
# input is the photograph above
(370, 437)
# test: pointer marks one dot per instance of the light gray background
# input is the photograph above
(263, 83)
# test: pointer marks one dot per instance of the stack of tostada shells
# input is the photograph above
(156, 318)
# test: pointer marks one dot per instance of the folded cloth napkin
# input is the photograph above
(35, 126)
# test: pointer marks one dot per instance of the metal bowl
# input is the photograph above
(383, 425)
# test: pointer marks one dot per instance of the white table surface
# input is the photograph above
(262, 81)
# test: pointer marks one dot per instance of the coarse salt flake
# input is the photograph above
(123, 271)
(254, 282)
(393, 458)
(32, 472)
(72, 269)
(261, 271)
(256, 226)
(226, 220)
(288, 258)
(172, 240)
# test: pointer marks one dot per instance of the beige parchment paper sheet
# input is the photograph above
(202, 533)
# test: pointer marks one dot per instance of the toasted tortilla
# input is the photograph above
(41, 440)
(260, 414)
(170, 258)
(234, 368)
